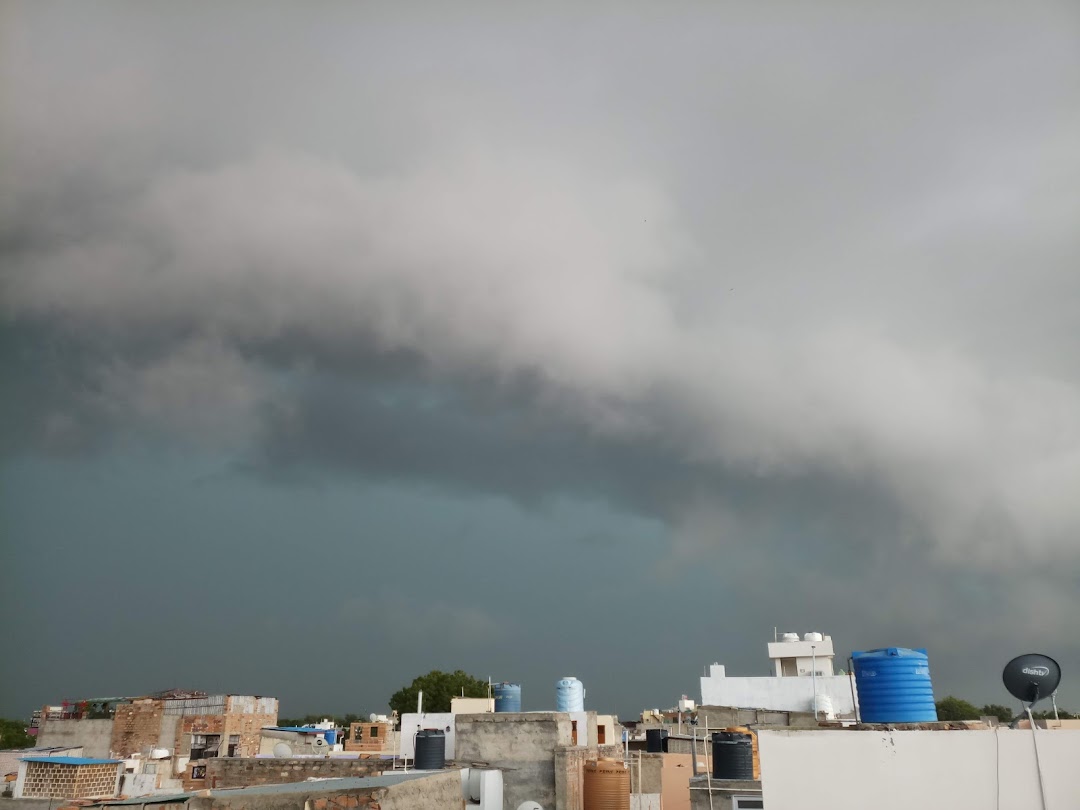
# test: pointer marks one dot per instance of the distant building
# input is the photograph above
(803, 680)
(166, 738)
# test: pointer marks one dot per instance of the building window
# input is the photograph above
(198, 771)
(204, 746)
(747, 803)
(374, 732)
(234, 745)
(601, 735)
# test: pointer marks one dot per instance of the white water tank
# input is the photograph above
(813, 637)
(789, 637)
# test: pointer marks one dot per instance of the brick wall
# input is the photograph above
(231, 773)
(249, 728)
(65, 781)
(136, 727)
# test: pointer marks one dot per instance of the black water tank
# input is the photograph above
(732, 755)
(430, 750)
(656, 740)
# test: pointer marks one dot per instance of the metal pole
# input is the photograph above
(708, 762)
(851, 683)
(813, 675)
(693, 752)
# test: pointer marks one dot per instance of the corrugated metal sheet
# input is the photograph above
(211, 704)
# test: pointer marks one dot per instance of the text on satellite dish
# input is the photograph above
(1040, 671)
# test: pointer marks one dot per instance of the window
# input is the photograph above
(573, 732)
(198, 771)
(374, 732)
(234, 745)
(601, 735)
(205, 745)
(747, 803)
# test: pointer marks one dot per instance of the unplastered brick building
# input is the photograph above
(172, 735)
(68, 778)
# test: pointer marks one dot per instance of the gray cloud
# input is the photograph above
(802, 288)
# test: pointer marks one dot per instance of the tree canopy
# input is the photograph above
(13, 734)
(439, 687)
(954, 708)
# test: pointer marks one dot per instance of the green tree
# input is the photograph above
(13, 734)
(1002, 713)
(1048, 714)
(439, 688)
(953, 708)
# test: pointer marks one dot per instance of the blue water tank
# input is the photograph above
(331, 736)
(507, 697)
(894, 686)
(569, 695)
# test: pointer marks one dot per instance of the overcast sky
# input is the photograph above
(344, 341)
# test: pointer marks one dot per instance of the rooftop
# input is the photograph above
(350, 783)
(72, 760)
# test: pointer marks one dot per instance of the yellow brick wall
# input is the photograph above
(60, 780)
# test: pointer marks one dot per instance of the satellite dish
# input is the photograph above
(282, 750)
(372, 717)
(1031, 677)
(319, 743)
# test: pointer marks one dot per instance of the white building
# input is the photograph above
(804, 680)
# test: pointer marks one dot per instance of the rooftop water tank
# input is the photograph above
(569, 695)
(430, 750)
(789, 637)
(607, 785)
(656, 740)
(813, 637)
(507, 697)
(894, 686)
(732, 755)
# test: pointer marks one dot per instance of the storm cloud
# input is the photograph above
(799, 286)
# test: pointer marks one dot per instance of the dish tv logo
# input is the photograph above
(1042, 672)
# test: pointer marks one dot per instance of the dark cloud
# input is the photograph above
(798, 287)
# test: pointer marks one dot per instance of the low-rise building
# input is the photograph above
(166, 738)
(68, 778)
(803, 681)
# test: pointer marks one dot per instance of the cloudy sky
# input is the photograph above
(340, 342)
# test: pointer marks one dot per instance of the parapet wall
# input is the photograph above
(225, 772)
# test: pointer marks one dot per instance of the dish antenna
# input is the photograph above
(320, 743)
(282, 750)
(1031, 677)
(373, 717)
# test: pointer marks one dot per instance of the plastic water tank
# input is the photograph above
(656, 740)
(732, 755)
(569, 695)
(507, 697)
(607, 785)
(430, 750)
(894, 686)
